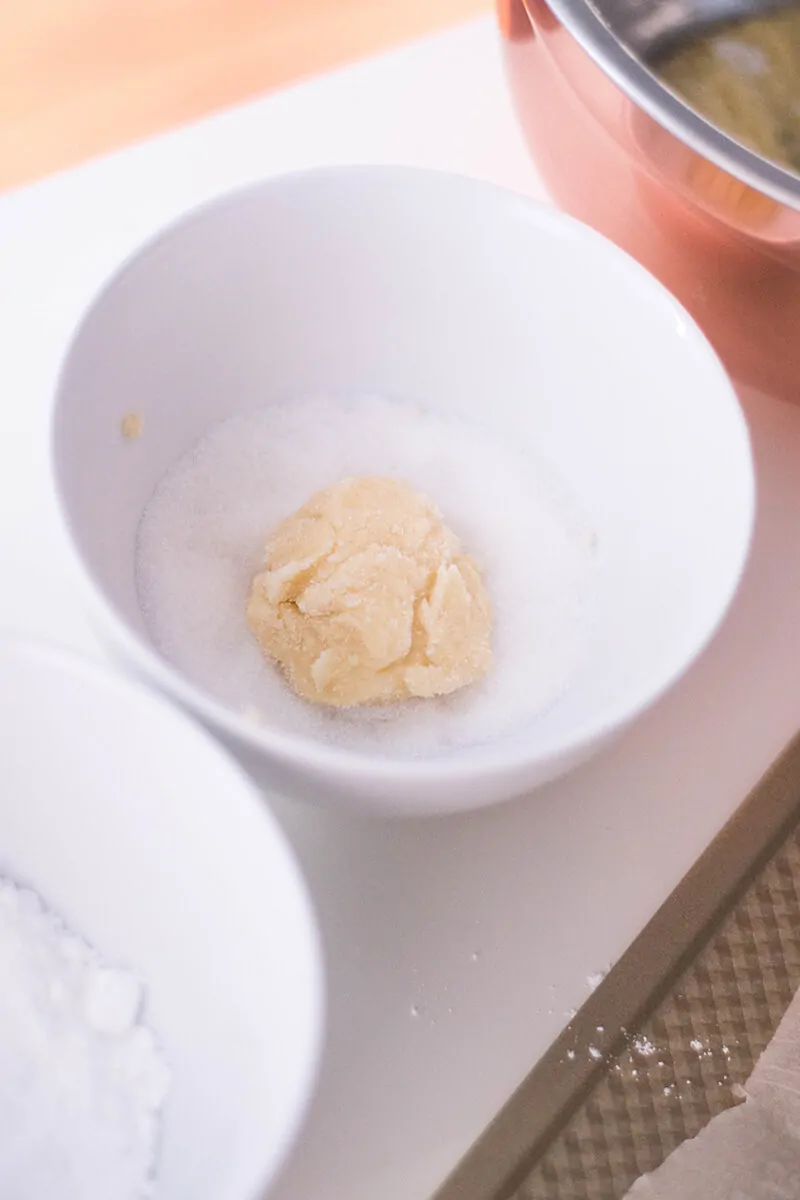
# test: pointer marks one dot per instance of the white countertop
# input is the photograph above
(486, 927)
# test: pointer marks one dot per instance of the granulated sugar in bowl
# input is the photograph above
(540, 390)
(160, 982)
(203, 532)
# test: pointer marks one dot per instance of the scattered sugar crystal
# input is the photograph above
(642, 1045)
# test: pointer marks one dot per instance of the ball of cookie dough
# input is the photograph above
(366, 597)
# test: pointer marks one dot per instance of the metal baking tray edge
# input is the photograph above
(513, 1143)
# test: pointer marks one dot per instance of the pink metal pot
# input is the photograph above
(719, 225)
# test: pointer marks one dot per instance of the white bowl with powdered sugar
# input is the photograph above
(161, 998)
(559, 408)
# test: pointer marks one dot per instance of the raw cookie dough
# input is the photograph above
(366, 597)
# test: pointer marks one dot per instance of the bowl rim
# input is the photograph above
(305, 752)
(101, 676)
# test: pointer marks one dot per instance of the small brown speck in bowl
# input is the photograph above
(132, 425)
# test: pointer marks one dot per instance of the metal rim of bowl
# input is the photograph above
(641, 86)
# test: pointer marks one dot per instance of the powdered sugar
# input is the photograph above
(202, 535)
(81, 1080)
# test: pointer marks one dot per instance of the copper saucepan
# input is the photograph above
(718, 224)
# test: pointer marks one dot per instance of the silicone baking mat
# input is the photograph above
(672, 1033)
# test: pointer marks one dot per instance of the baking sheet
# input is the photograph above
(669, 1037)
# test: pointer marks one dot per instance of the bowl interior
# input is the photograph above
(650, 28)
(452, 294)
(140, 834)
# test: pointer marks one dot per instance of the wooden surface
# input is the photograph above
(79, 77)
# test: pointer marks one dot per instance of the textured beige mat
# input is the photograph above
(700, 1043)
(703, 989)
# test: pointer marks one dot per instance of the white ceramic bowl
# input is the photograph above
(473, 301)
(141, 833)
